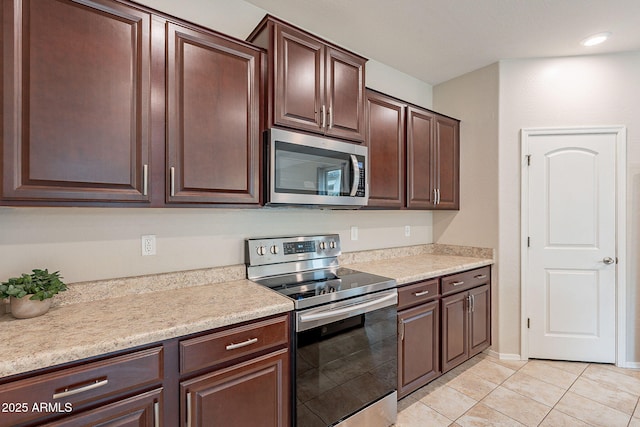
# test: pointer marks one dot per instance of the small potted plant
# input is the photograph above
(30, 294)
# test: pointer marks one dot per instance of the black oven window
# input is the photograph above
(345, 366)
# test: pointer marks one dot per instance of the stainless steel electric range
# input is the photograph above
(345, 338)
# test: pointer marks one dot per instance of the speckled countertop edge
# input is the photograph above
(78, 327)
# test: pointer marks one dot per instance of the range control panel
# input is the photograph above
(286, 249)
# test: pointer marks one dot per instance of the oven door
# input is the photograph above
(346, 362)
(310, 170)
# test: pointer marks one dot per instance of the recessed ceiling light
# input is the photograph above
(595, 39)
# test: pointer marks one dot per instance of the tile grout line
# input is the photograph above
(564, 394)
(494, 389)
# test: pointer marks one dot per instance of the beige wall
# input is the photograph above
(473, 98)
(99, 243)
(577, 91)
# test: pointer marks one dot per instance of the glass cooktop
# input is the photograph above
(316, 287)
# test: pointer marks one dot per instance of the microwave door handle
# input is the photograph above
(356, 175)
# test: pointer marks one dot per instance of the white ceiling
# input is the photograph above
(436, 40)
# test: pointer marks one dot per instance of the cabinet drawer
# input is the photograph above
(417, 293)
(73, 388)
(213, 349)
(466, 280)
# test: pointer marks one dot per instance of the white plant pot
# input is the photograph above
(24, 308)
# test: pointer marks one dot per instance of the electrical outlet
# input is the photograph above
(148, 244)
(354, 232)
(407, 231)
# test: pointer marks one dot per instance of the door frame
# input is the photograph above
(621, 225)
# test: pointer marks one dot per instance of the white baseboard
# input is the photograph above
(508, 356)
(504, 356)
(630, 365)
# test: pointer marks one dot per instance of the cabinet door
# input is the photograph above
(299, 68)
(345, 95)
(447, 159)
(142, 410)
(213, 126)
(455, 338)
(76, 90)
(480, 320)
(418, 347)
(420, 176)
(385, 138)
(253, 393)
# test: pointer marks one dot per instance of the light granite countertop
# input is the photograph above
(144, 310)
(77, 331)
(415, 268)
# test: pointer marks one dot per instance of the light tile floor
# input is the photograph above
(486, 391)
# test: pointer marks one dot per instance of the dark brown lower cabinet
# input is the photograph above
(143, 410)
(231, 376)
(253, 393)
(466, 327)
(418, 349)
(436, 333)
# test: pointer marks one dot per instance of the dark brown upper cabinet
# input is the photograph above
(421, 191)
(433, 160)
(413, 155)
(213, 111)
(312, 85)
(447, 163)
(76, 101)
(385, 137)
(108, 103)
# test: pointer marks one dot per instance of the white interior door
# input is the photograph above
(570, 261)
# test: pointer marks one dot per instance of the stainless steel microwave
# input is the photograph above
(311, 170)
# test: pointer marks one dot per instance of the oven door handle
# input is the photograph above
(328, 314)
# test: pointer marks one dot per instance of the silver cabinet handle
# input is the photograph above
(250, 341)
(438, 196)
(145, 179)
(67, 392)
(480, 276)
(435, 197)
(189, 409)
(156, 414)
(421, 293)
(457, 283)
(356, 175)
(324, 117)
(172, 178)
(473, 303)
(608, 260)
(330, 117)
(401, 329)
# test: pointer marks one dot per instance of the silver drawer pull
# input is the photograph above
(458, 283)
(67, 392)
(242, 344)
(480, 276)
(421, 294)
(156, 414)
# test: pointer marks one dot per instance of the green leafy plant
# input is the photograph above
(40, 283)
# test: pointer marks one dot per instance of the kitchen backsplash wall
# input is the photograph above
(103, 243)
(94, 243)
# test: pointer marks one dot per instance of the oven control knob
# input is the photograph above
(261, 250)
(323, 246)
(274, 249)
(332, 244)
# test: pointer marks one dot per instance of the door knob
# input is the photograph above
(608, 260)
